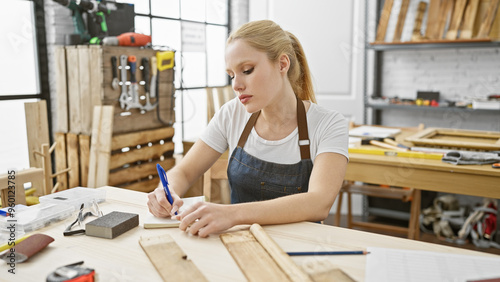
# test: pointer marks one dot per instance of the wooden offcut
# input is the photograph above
(37, 130)
(487, 21)
(384, 20)
(170, 260)
(61, 89)
(456, 19)
(84, 142)
(469, 18)
(100, 148)
(417, 26)
(401, 20)
(73, 82)
(457, 138)
(260, 258)
(444, 13)
(72, 150)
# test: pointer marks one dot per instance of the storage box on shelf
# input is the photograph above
(84, 81)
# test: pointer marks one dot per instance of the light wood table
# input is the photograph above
(122, 258)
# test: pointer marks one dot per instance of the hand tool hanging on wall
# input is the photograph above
(154, 72)
(127, 39)
(145, 75)
(114, 82)
(124, 95)
(133, 93)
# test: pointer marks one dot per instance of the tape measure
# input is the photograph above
(72, 273)
(165, 60)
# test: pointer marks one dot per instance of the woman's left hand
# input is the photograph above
(206, 218)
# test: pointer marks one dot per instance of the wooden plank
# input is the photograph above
(47, 170)
(142, 186)
(137, 172)
(495, 29)
(456, 19)
(142, 137)
(84, 95)
(384, 20)
(417, 26)
(431, 30)
(252, 258)
(445, 12)
(73, 82)
(37, 130)
(487, 21)
(170, 260)
(61, 161)
(73, 160)
(401, 20)
(145, 153)
(84, 141)
(469, 19)
(100, 148)
(325, 271)
(61, 90)
(279, 256)
(96, 77)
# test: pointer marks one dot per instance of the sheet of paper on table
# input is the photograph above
(383, 264)
(374, 131)
(151, 221)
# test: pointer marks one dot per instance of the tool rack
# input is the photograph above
(84, 80)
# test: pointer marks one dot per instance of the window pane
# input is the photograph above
(217, 11)
(193, 10)
(194, 69)
(167, 33)
(216, 43)
(165, 8)
(140, 6)
(195, 113)
(19, 74)
(14, 141)
(142, 25)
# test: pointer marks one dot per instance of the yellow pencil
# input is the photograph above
(6, 245)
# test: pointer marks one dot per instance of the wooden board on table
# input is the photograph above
(384, 20)
(457, 138)
(456, 19)
(170, 260)
(401, 21)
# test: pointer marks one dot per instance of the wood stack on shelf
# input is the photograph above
(84, 81)
(443, 21)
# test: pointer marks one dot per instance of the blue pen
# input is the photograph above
(164, 182)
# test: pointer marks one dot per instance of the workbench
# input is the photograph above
(122, 258)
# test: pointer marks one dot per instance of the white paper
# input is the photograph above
(387, 265)
(151, 221)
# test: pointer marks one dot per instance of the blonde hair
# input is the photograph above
(268, 37)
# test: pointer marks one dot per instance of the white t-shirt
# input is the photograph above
(328, 132)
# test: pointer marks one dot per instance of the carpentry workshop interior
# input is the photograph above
(373, 128)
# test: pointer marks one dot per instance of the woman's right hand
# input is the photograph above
(159, 206)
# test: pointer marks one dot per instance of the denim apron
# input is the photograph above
(252, 179)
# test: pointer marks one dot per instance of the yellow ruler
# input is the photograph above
(408, 154)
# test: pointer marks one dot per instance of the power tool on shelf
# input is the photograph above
(95, 10)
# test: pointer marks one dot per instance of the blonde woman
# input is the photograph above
(288, 155)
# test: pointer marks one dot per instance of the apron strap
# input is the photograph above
(305, 152)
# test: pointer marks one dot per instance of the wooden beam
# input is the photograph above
(487, 21)
(85, 94)
(37, 130)
(431, 30)
(170, 260)
(384, 20)
(73, 71)
(401, 20)
(100, 148)
(469, 19)
(445, 11)
(417, 26)
(456, 19)
(47, 170)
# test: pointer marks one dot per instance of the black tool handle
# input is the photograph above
(145, 73)
(114, 66)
